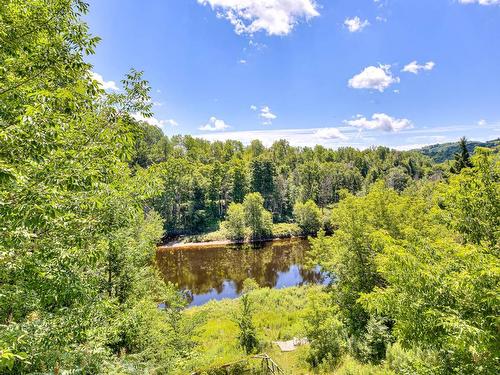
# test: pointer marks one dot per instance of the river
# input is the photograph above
(206, 273)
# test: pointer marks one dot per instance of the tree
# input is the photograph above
(307, 216)
(248, 334)
(473, 199)
(77, 238)
(257, 218)
(235, 225)
(439, 296)
(263, 173)
(462, 157)
(397, 179)
(239, 181)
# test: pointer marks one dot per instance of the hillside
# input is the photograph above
(446, 151)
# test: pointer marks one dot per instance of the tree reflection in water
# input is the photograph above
(218, 272)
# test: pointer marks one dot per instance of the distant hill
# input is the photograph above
(446, 151)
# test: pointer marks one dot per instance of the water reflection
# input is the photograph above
(219, 272)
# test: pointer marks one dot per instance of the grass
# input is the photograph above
(278, 315)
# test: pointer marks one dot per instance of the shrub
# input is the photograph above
(307, 216)
(248, 334)
(234, 226)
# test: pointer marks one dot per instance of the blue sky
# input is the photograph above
(400, 73)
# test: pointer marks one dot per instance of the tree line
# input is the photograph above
(201, 179)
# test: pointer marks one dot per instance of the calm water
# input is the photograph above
(218, 272)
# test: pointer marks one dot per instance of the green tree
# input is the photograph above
(77, 238)
(239, 181)
(235, 224)
(473, 199)
(263, 174)
(257, 218)
(462, 157)
(307, 216)
(248, 334)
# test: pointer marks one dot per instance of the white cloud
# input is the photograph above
(380, 121)
(214, 124)
(242, 61)
(276, 17)
(373, 77)
(414, 67)
(480, 2)
(355, 24)
(329, 133)
(170, 122)
(267, 116)
(154, 121)
(106, 85)
(407, 138)
(253, 107)
(482, 122)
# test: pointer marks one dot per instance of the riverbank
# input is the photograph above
(218, 238)
(278, 315)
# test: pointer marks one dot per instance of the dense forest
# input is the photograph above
(446, 151)
(87, 193)
(201, 178)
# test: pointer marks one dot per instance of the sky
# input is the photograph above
(399, 73)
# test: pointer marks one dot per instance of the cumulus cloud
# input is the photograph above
(253, 107)
(266, 115)
(480, 2)
(276, 17)
(380, 121)
(374, 77)
(414, 67)
(106, 85)
(482, 122)
(329, 133)
(355, 24)
(154, 121)
(214, 125)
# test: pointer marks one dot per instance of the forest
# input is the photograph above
(87, 193)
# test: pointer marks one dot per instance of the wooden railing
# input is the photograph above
(268, 366)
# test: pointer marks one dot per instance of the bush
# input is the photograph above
(308, 217)
(371, 347)
(235, 226)
(286, 230)
(413, 361)
(325, 333)
(248, 334)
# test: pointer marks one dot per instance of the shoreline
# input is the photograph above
(178, 244)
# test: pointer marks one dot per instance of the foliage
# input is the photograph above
(201, 179)
(462, 157)
(307, 216)
(413, 361)
(446, 151)
(235, 224)
(286, 230)
(78, 237)
(426, 262)
(257, 218)
(325, 333)
(277, 315)
(248, 334)
(472, 200)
